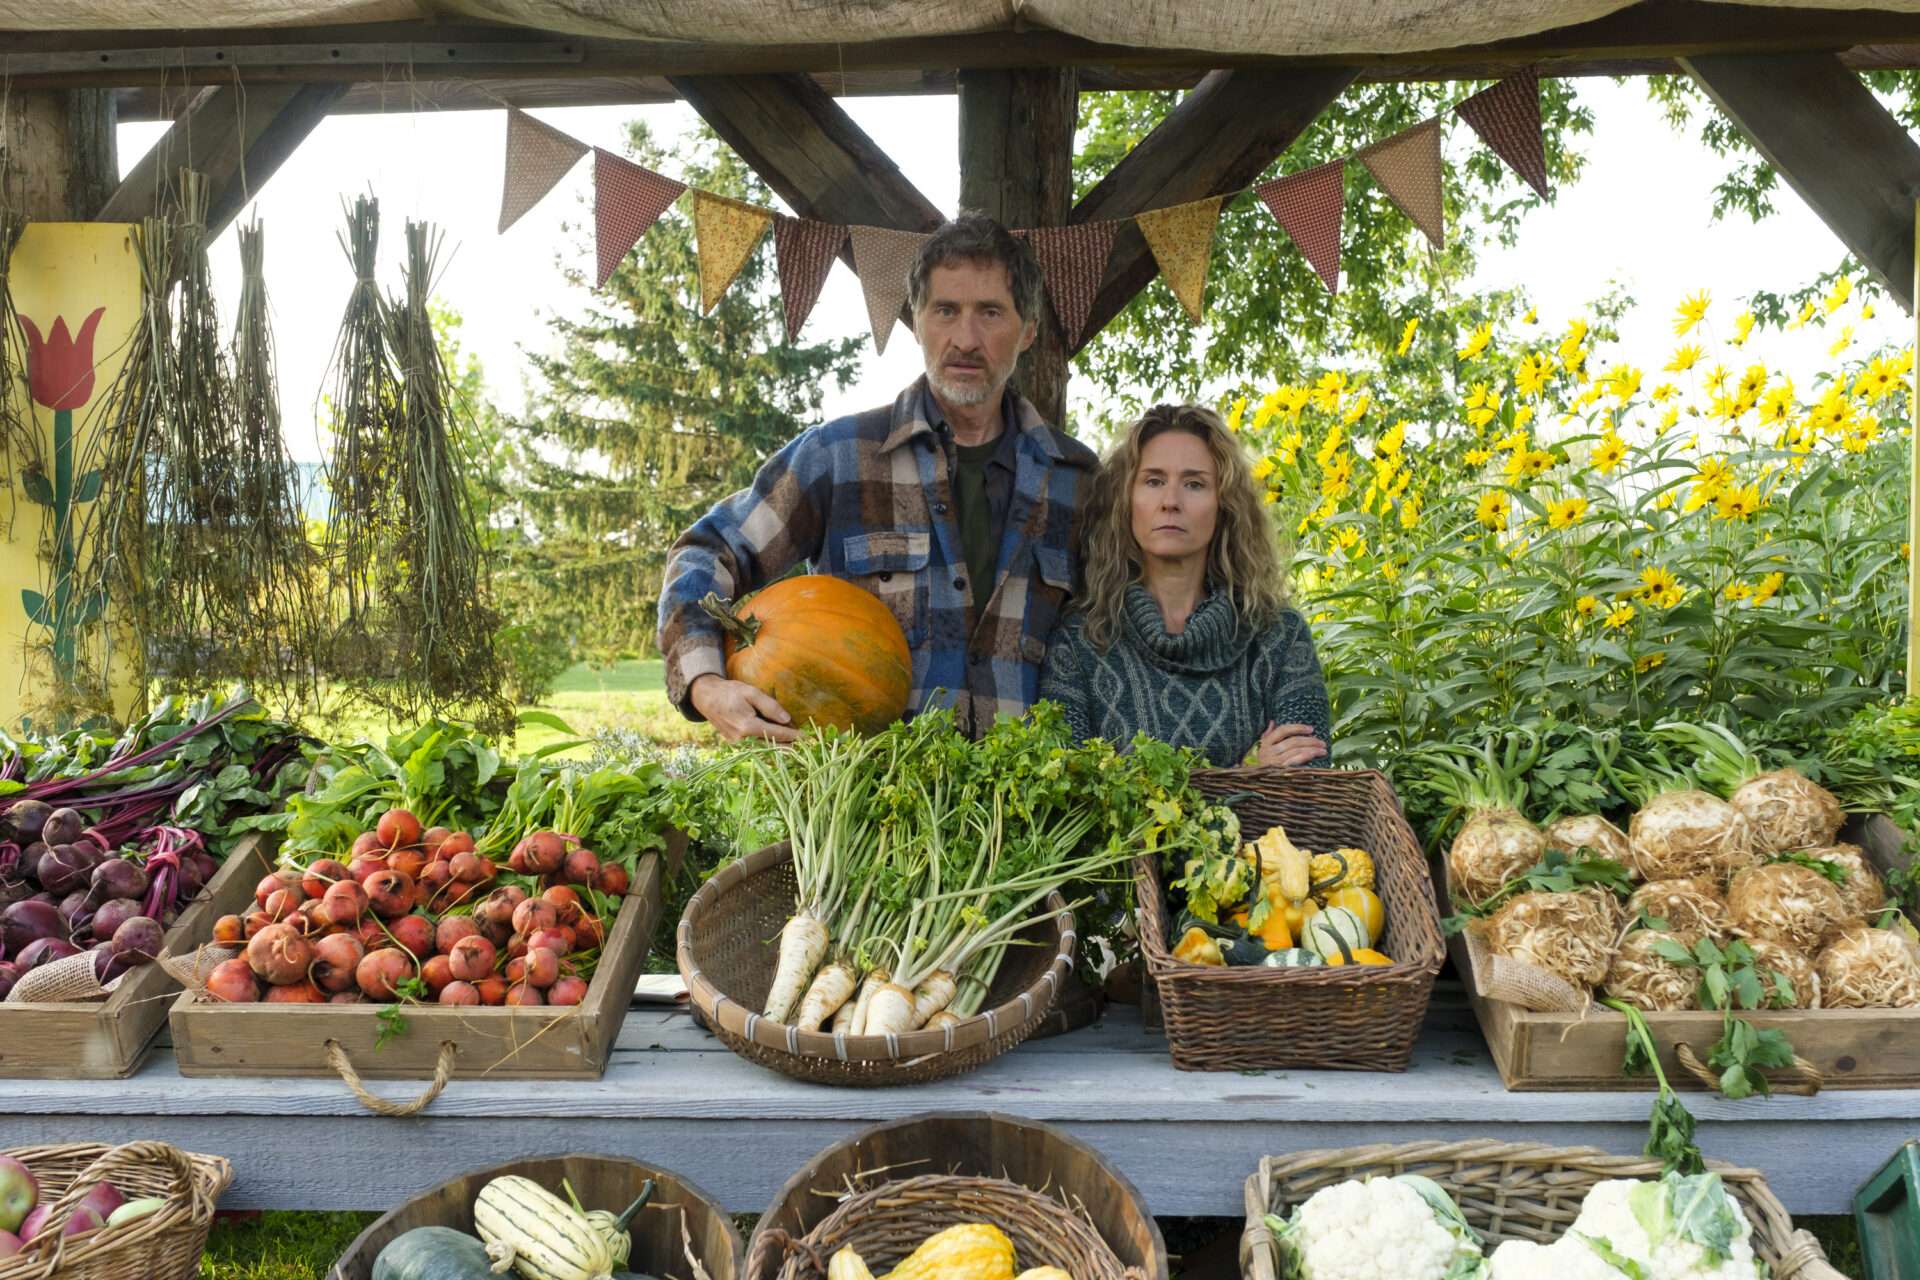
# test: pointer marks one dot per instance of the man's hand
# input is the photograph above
(1289, 745)
(737, 710)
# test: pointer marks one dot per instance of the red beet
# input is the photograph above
(432, 838)
(334, 960)
(346, 901)
(568, 990)
(296, 993)
(534, 914)
(558, 939)
(471, 959)
(458, 842)
(323, 875)
(542, 967)
(471, 868)
(581, 867)
(269, 884)
(282, 903)
(366, 844)
(390, 893)
(233, 982)
(380, 972)
(451, 929)
(279, 955)
(409, 862)
(414, 934)
(522, 994)
(460, 993)
(229, 931)
(613, 880)
(398, 827)
(437, 972)
(566, 902)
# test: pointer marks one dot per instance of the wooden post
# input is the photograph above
(1913, 502)
(1016, 165)
(60, 149)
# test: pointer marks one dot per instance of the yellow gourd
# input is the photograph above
(1197, 946)
(1325, 869)
(1297, 914)
(970, 1251)
(1360, 955)
(1043, 1273)
(848, 1265)
(1273, 932)
(1364, 903)
(1283, 869)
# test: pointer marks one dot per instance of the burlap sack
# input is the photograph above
(191, 970)
(1498, 977)
(61, 980)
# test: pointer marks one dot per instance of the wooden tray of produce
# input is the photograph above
(1851, 1048)
(108, 1039)
(546, 1042)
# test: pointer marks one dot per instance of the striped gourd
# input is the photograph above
(537, 1233)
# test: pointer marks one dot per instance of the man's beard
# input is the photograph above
(969, 394)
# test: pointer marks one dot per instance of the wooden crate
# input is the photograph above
(211, 1038)
(1851, 1048)
(601, 1182)
(107, 1039)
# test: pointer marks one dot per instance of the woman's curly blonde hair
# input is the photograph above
(1243, 562)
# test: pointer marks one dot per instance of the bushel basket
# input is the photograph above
(727, 946)
(164, 1245)
(1348, 1017)
(1509, 1191)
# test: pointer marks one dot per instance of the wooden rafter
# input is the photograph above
(237, 138)
(1220, 138)
(1834, 144)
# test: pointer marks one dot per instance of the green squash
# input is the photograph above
(1336, 930)
(1291, 958)
(434, 1253)
(1244, 950)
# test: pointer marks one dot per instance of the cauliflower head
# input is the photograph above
(1679, 1228)
(1571, 1257)
(1380, 1229)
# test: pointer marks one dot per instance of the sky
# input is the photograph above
(1641, 216)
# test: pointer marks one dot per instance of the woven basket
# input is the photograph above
(161, 1246)
(1350, 1017)
(727, 945)
(886, 1223)
(1509, 1191)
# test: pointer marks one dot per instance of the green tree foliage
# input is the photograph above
(1273, 331)
(649, 413)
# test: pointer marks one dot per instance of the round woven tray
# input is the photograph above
(161, 1246)
(886, 1223)
(726, 947)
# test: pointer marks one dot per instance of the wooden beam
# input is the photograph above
(1913, 511)
(1835, 145)
(1016, 165)
(236, 137)
(1219, 139)
(59, 145)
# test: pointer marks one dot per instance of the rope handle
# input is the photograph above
(1802, 1078)
(1806, 1260)
(128, 1154)
(343, 1067)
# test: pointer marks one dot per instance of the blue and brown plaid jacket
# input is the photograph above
(868, 498)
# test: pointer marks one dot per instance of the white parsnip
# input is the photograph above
(934, 993)
(803, 944)
(830, 989)
(891, 1011)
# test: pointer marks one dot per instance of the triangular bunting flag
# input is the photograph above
(1507, 117)
(538, 155)
(804, 251)
(724, 235)
(1072, 261)
(883, 258)
(627, 198)
(1407, 167)
(1309, 204)
(1182, 240)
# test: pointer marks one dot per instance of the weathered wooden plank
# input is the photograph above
(1835, 145)
(237, 136)
(1220, 138)
(60, 143)
(1016, 164)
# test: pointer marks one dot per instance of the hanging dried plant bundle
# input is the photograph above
(19, 437)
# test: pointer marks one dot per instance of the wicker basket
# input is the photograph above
(1509, 1191)
(1351, 1017)
(161, 1246)
(727, 944)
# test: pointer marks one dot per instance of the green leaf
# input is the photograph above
(1699, 1211)
(88, 487)
(543, 719)
(39, 613)
(38, 487)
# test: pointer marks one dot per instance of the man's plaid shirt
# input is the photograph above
(869, 498)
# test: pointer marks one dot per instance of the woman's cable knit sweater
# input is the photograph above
(1213, 687)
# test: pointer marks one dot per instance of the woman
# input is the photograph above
(1184, 631)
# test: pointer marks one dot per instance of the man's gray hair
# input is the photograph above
(974, 237)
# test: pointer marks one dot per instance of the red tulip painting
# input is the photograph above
(60, 377)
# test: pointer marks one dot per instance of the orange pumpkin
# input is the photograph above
(827, 650)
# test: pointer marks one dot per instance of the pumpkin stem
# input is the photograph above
(646, 1194)
(743, 631)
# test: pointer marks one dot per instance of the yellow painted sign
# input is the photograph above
(76, 289)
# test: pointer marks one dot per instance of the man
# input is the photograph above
(956, 506)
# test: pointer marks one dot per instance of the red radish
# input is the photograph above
(437, 972)
(558, 939)
(284, 878)
(460, 993)
(279, 955)
(522, 994)
(346, 902)
(390, 893)
(451, 930)
(367, 865)
(542, 967)
(414, 934)
(493, 990)
(334, 961)
(471, 868)
(613, 879)
(534, 914)
(230, 931)
(472, 959)
(458, 842)
(581, 867)
(567, 991)
(380, 972)
(322, 875)
(233, 982)
(566, 901)
(398, 828)
(296, 993)
(432, 838)
(282, 903)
